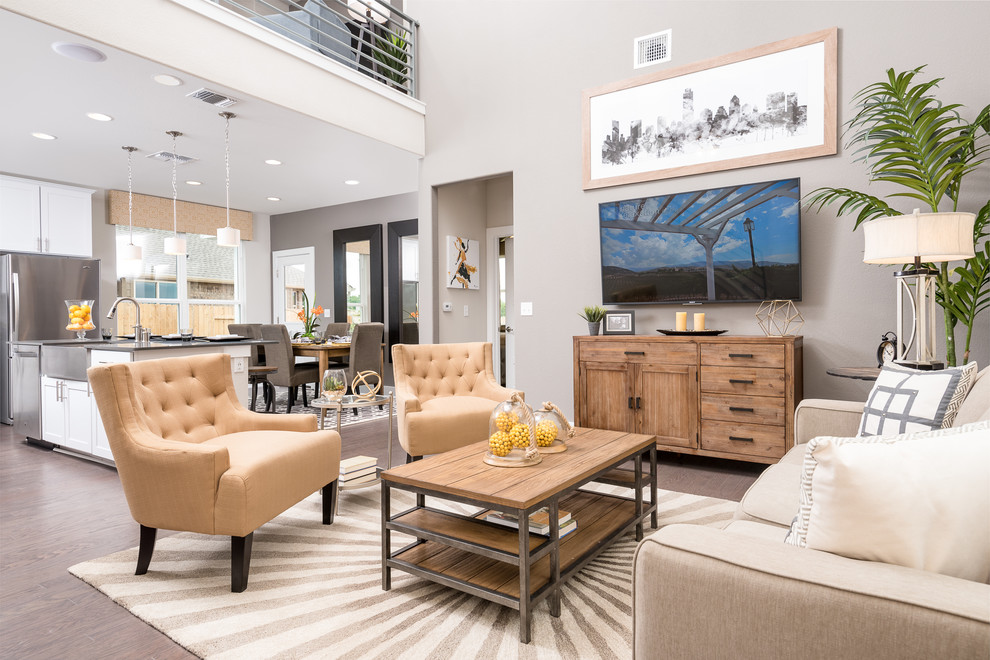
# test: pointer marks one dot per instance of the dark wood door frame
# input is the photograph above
(341, 237)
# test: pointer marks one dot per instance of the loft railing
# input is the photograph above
(369, 36)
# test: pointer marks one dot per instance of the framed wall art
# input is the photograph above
(619, 322)
(463, 257)
(768, 104)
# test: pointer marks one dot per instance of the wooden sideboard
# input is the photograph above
(726, 396)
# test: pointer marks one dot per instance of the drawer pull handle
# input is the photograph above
(738, 439)
(740, 355)
(637, 403)
(635, 352)
(630, 403)
(740, 380)
(738, 409)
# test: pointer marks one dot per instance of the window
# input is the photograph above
(198, 291)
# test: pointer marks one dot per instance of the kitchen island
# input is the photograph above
(69, 419)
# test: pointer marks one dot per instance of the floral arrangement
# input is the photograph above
(310, 318)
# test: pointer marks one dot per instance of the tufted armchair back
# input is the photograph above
(444, 394)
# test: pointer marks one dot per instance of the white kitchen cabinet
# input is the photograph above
(67, 414)
(45, 217)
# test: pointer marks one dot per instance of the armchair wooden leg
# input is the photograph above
(329, 493)
(240, 561)
(146, 547)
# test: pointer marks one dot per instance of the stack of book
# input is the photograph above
(539, 521)
(357, 469)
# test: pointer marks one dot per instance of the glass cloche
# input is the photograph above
(511, 435)
(551, 429)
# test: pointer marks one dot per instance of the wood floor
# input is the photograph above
(57, 510)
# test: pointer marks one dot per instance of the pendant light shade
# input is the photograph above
(174, 244)
(227, 236)
(130, 252)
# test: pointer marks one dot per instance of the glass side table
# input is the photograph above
(351, 401)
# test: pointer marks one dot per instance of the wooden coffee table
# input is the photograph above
(507, 566)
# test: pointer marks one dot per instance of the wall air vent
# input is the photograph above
(168, 157)
(651, 49)
(213, 98)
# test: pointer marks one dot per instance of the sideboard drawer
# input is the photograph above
(742, 355)
(669, 353)
(743, 380)
(747, 439)
(743, 409)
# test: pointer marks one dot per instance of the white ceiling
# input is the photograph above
(46, 92)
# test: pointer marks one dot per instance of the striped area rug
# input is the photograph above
(315, 592)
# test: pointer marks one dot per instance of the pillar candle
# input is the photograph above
(681, 325)
(699, 321)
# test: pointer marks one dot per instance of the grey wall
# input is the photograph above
(315, 228)
(503, 80)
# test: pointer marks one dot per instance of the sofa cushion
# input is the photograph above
(905, 400)
(773, 497)
(976, 407)
(757, 530)
(918, 500)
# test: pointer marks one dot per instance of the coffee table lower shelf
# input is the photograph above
(482, 558)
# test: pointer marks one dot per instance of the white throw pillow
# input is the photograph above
(920, 500)
(905, 400)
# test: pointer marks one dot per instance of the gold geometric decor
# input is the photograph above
(362, 380)
(779, 318)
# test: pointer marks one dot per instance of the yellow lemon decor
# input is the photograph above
(80, 317)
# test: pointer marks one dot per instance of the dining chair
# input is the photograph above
(289, 374)
(336, 330)
(258, 371)
(366, 350)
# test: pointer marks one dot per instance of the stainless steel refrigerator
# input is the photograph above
(34, 288)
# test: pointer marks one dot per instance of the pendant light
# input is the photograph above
(130, 252)
(174, 244)
(228, 236)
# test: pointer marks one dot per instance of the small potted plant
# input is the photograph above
(311, 320)
(593, 315)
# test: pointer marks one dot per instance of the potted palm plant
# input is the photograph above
(908, 138)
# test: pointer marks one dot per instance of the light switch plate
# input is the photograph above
(465, 310)
(526, 309)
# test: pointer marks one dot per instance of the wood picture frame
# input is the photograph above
(619, 322)
(768, 104)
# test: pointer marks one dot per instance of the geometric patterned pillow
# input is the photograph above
(905, 400)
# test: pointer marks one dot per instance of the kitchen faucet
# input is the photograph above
(138, 330)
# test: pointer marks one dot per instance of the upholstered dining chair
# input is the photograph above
(445, 394)
(366, 350)
(192, 458)
(258, 371)
(289, 374)
(336, 330)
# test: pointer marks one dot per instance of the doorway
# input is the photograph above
(501, 331)
(293, 273)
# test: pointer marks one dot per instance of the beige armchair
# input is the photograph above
(445, 394)
(192, 458)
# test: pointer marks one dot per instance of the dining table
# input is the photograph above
(323, 353)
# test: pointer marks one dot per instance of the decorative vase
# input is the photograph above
(594, 328)
(333, 384)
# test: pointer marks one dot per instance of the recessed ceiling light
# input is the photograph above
(274, 199)
(194, 183)
(166, 79)
(351, 182)
(272, 161)
(79, 52)
(99, 116)
(44, 136)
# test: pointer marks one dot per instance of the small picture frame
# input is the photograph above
(619, 322)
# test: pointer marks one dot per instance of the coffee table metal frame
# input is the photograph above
(452, 530)
(352, 401)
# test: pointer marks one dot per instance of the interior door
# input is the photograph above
(501, 317)
(293, 273)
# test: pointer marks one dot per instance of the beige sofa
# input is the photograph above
(741, 592)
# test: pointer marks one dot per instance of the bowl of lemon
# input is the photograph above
(80, 317)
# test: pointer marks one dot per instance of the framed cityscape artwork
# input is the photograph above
(768, 104)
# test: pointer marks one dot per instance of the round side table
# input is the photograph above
(353, 401)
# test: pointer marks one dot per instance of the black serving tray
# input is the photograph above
(678, 333)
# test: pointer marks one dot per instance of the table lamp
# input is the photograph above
(919, 238)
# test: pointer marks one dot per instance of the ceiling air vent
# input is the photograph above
(168, 157)
(651, 49)
(213, 98)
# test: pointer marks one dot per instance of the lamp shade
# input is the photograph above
(228, 236)
(130, 252)
(175, 245)
(931, 237)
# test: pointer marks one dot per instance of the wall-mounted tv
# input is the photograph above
(733, 244)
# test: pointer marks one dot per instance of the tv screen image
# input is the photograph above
(733, 244)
